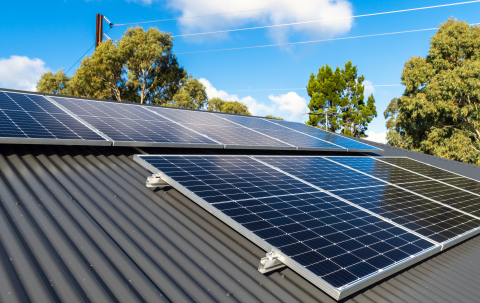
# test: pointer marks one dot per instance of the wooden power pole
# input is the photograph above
(99, 30)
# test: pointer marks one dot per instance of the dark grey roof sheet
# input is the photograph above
(78, 224)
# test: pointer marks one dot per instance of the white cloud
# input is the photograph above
(21, 72)
(255, 107)
(380, 137)
(290, 106)
(311, 10)
(369, 88)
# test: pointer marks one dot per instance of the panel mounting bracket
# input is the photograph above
(270, 262)
(155, 181)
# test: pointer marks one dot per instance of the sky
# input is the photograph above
(40, 36)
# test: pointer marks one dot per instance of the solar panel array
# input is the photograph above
(128, 124)
(336, 220)
(27, 116)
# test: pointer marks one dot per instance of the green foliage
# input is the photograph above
(191, 95)
(273, 117)
(439, 112)
(231, 107)
(340, 95)
(140, 68)
(51, 83)
(102, 75)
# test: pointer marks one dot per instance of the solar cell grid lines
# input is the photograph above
(128, 124)
(428, 218)
(105, 109)
(454, 197)
(321, 172)
(191, 117)
(281, 133)
(419, 167)
(465, 184)
(378, 169)
(221, 130)
(324, 135)
(25, 116)
(329, 237)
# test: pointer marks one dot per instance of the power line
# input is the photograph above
(323, 20)
(80, 58)
(86, 52)
(201, 16)
(305, 42)
(298, 88)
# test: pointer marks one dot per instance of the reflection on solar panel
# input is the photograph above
(421, 168)
(337, 238)
(221, 130)
(379, 169)
(352, 145)
(134, 125)
(284, 134)
(26, 118)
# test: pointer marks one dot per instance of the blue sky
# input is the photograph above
(37, 37)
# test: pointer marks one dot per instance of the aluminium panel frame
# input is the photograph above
(334, 292)
(40, 141)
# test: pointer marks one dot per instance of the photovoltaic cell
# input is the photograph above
(334, 240)
(465, 184)
(220, 129)
(402, 207)
(284, 134)
(25, 116)
(127, 123)
(321, 172)
(324, 135)
(457, 198)
(428, 218)
(421, 168)
(379, 169)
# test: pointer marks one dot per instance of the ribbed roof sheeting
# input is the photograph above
(78, 224)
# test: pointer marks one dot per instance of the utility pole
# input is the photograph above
(99, 30)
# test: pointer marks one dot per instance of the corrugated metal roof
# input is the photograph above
(78, 224)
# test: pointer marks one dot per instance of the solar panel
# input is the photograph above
(405, 208)
(379, 169)
(289, 136)
(221, 130)
(332, 242)
(419, 167)
(350, 144)
(28, 118)
(134, 125)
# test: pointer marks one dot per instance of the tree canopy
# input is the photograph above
(340, 94)
(273, 117)
(439, 112)
(231, 107)
(140, 68)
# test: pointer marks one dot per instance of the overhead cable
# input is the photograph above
(201, 16)
(323, 20)
(298, 88)
(313, 41)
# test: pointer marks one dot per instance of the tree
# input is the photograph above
(140, 68)
(439, 112)
(231, 107)
(191, 95)
(340, 94)
(393, 137)
(54, 83)
(215, 105)
(150, 63)
(102, 75)
(273, 117)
